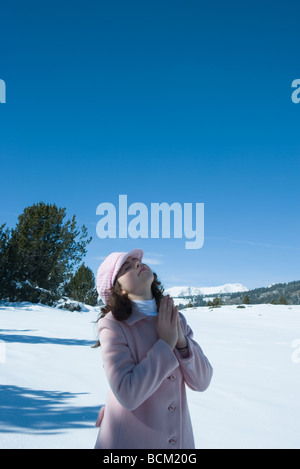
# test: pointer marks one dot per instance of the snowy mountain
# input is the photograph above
(187, 291)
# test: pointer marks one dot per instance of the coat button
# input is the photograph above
(173, 440)
(172, 407)
(171, 378)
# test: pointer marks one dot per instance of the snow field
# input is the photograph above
(53, 382)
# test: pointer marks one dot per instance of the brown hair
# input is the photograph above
(121, 305)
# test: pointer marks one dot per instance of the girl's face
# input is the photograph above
(135, 278)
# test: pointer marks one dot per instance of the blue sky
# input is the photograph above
(164, 101)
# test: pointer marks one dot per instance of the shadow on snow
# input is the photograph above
(30, 411)
(33, 339)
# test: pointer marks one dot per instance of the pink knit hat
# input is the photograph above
(109, 269)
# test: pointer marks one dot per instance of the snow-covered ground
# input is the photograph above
(52, 382)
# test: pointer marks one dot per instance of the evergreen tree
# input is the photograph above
(45, 251)
(4, 261)
(282, 300)
(246, 299)
(81, 286)
(217, 301)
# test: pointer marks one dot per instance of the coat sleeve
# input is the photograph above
(196, 369)
(132, 383)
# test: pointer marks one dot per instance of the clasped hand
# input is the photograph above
(168, 323)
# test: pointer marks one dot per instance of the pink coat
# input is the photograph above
(147, 404)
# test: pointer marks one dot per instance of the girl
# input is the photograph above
(149, 355)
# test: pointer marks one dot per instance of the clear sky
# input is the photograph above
(164, 101)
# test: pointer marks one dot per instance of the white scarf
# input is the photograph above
(147, 307)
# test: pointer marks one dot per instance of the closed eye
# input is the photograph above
(130, 265)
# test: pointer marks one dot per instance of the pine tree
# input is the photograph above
(246, 299)
(81, 286)
(282, 300)
(217, 301)
(4, 261)
(45, 251)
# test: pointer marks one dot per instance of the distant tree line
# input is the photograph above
(41, 258)
(280, 293)
(267, 295)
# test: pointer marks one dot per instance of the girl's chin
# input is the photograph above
(149, 272)
(146, 277)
